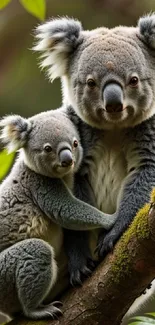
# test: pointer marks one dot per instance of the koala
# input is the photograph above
(108, 79)
(36, 201)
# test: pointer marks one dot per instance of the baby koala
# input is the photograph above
(35, 203)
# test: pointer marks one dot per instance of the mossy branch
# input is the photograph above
(120, 278)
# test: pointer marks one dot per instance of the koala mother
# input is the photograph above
(108, 78)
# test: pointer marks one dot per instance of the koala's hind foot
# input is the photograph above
(80, 262)
(28, 272)
(46, 311)
(80, 269)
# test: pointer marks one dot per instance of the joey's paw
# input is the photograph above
(46, 311)
(53, 312)
(53, 309)
(56, 303)
(80, 269)
(106, 243)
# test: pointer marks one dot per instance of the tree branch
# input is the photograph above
(119, 279)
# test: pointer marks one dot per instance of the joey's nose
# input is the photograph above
(66, 158)
(113, 98)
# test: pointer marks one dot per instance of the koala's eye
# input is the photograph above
(91, 83)
(133, 82)
(75, 144)
(47, 148)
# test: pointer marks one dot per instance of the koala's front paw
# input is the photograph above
(80, 266)
(106, 243)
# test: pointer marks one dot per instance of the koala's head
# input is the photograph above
(50, 142)
(108, 75)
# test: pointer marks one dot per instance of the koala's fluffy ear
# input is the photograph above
(57, 39)
(146, 26)
(14, 132)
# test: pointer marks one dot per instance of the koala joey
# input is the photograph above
(108, 78)
(36, 202)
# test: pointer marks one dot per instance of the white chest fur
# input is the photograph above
(107, 170)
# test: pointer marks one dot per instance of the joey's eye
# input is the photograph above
(91, 83)
(47, 148)
(133, 82)
(75, 143)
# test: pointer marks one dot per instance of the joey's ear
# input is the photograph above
(146, 26)
(56, 40)
(14, 132)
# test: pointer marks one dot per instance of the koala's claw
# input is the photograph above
(58, 303)
(75, 278)
(86, 271)
(52, 310)
(55, 313)
(105, 244)
(91, 264)
(45, 311)
(82, 271)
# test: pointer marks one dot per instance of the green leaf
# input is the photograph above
(151, 314)
(35, 7)
(6, 161)
(4, 3)
(144, 319)
(143, 323)
(137, 323)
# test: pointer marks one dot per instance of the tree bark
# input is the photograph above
(106, 296)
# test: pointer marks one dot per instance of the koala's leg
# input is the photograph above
(28, 271)
(80, 262)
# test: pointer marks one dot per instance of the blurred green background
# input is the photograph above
(24, 89)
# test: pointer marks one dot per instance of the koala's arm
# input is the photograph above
(135, 194)
(140, 157)
(58, 203)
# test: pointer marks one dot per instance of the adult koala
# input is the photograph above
(108, 78)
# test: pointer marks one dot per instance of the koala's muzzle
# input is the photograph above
(65, 157)
(113, 98)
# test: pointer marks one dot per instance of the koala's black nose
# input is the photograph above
(66, 158)
(113, 98)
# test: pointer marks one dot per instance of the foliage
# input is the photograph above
(36, 7)
(143, 320)
(6, 161)
(4, 3)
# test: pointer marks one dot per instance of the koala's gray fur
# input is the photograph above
(27, 273)
(108, 77)
(35, 202)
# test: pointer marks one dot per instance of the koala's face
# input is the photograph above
(112, 84)
(108, 75)
(53, 148)
(50, 142)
